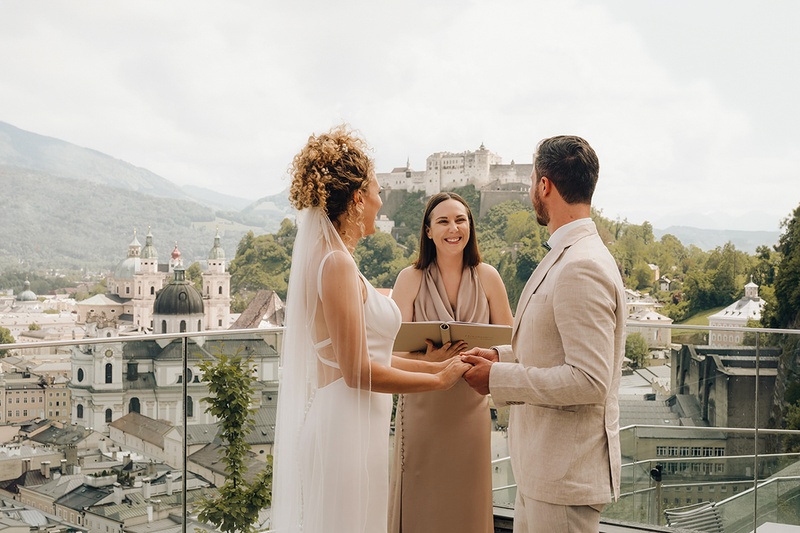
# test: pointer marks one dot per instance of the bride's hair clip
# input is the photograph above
(324, 170)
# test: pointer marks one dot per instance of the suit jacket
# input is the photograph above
(561, 375)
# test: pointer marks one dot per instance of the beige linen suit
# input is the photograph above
(561, 375)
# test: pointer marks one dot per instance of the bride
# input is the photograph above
(332, 432)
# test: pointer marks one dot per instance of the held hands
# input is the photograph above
(481, 360)
(452, 372)
(448, 350)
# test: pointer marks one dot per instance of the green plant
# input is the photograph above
(230, 384)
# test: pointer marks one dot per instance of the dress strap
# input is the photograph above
(317, 346)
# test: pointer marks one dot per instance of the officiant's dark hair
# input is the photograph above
(427, 249)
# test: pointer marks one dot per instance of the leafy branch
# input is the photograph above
(230, 384)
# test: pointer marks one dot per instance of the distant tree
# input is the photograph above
(6, 338)
(380, 259)
(787, 280)
(791, 419)
(473, 198)
(749, 337)
(641, 277)
(33, 326)
(195, 274)
(260, 263)
(636, 350)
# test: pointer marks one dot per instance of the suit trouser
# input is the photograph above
(534, 516)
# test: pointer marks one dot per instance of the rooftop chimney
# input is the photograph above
(146, 488)
(26, 464)
(44, 468)
(169, 483)
(117, 493)
(151, 469)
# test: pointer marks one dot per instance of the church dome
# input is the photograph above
(149, 251)
(176, 254)
(27, 295)
(217, 253)
(127, 268)
(179, 297)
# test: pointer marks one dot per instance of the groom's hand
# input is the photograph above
(490, 354)
(477, 377)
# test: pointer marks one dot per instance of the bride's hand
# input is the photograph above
(452, 372)
(448, 350)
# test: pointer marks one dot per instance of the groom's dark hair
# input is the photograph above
(427, 250)
(571, 164)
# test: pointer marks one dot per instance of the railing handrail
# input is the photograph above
(713, 429)
(713, 328)
(127, 338)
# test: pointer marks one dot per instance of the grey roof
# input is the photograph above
(84, 496)
(266, 305)
(145, 428)
(104, 299)
(645, 412)
(68, 435)
(137, 506)
(58, 487)
(210, 456)
(263, 432)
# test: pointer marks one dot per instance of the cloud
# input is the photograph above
(223, 95)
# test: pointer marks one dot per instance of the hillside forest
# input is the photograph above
(511, 241)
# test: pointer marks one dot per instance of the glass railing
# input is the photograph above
(140, 398)
(721, 442)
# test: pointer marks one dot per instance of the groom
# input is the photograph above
(561, 372)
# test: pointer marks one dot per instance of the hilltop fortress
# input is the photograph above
(445, 171)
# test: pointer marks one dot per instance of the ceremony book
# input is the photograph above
(412, 335)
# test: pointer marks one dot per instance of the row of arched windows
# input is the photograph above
(134, 406)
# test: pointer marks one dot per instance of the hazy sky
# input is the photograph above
(692, 107)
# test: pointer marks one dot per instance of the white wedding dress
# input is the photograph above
(331, 453)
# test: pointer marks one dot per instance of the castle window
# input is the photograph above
(80, 411)
(133, 406)
(108, 416)
(109, 370)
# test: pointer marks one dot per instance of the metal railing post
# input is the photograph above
(755, 436)
(185, 346)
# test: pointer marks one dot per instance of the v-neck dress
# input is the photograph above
(441, 474)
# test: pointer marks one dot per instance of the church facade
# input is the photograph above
(132, 288)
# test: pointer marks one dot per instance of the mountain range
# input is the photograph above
(69, 206)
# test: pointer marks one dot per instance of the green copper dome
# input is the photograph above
(149, 251)
(179, 297)
(217, 252)
(27, 295)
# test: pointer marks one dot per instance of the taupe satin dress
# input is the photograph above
(441, 474)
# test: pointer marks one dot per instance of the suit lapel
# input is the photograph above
(544, 267)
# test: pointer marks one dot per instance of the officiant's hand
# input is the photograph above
(448, 350)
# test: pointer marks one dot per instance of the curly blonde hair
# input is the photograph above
(327, 172)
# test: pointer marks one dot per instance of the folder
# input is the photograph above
(412, 335)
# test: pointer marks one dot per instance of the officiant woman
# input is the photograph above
(441, 475)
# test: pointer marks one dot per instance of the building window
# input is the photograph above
(719, 452)
(189, 407)
(80, 411)
(220, 322)
(152, 290)
(719, 468)
(50, 412)
(127, 290)
(24, 412)
(16, 413)
(220, 289)
(696, 451)
(661, 451)
(41, 399)
(109, 372)
(673, 451)
(708, 451)
(199, 326)
(133, 406)
(685, 451)
(183, 326)
(108, 416)
(80, 375)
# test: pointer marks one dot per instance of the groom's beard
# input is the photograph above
(542, 215)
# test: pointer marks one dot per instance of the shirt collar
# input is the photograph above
(559, 234)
